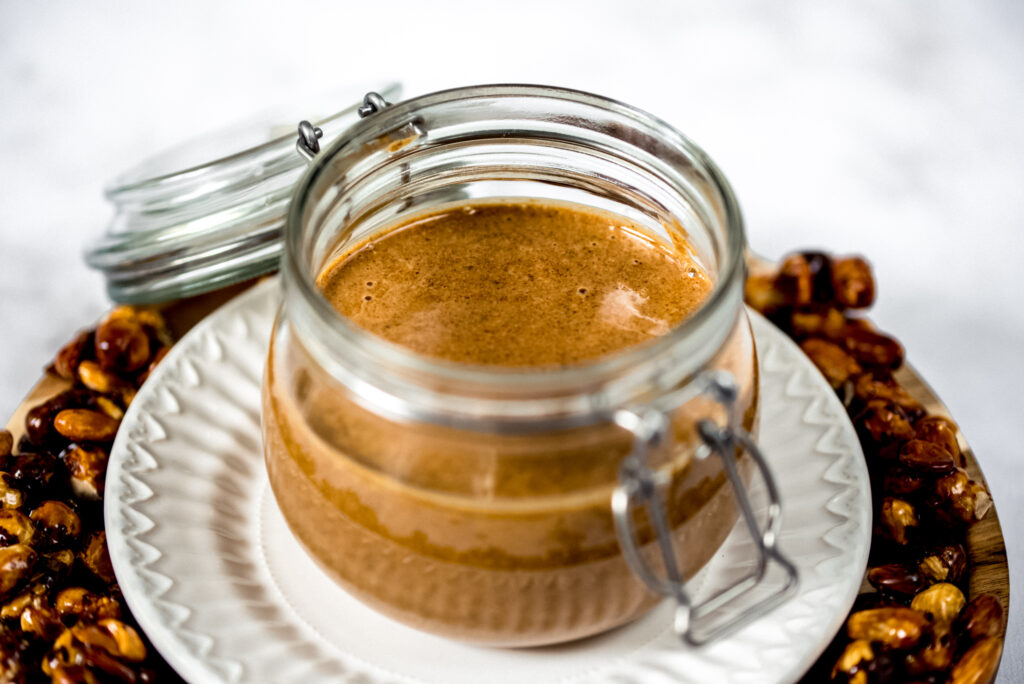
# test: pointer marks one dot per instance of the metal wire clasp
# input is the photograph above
(308, 144)
(641, 485)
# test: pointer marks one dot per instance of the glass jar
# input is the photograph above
(502, 506)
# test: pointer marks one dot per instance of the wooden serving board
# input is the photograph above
(989, 572)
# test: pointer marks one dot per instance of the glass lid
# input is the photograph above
(210, 212)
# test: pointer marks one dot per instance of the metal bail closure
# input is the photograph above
(640, 485)
(308, 144)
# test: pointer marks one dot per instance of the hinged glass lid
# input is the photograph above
(210, 212)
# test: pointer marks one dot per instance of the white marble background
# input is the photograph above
(887, 128)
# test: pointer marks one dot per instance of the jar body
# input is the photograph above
(476, 502)
(498, 539)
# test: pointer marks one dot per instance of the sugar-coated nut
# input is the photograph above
(979, 664)
(883, 422)
(40, 619)
(897, 516)
(85, 425)
(943, 601)
(56, 523)
(96, 558)
(10, 495)
(857, 653)
(983, 617)
(15, 528)
(961, 498)
(87, 467)
(895, 627)
(122, 344)
(873, 349)
(15, 564)
(895, 578)
(882, 385)
(66, 363)
(85, 605)
(927, 457)
(835, 364)
(852, 282)
(944, 563)
(942, 431)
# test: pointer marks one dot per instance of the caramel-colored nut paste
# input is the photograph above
(499, 539)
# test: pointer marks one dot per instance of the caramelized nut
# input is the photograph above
(979, 664)
(71, 354)
(895, 578)
(10, 495)
(129, 644)
(88, 468)
(96, 558)
(884, 422)
(97, 379)
(941, 431)
(15, 528)
(983, 617)
(883, 386)
(148, 317)
(56, 523)
(829, 323)
(85, 605)
(945, 564)
(41, 620)
(943, 601)
(856, 653)
(72, 674)
(39, 426)
(795, 281)
(873, 349)
(900, 481)
(961, 498)
(895, 627)
(835, 364)
(32, 473)
(110, 408)
(897, 516)
(852, 282)
(15, 564)
(927, 457)
(121, 344)
(85, 425)
(937, 656)
(6, 443)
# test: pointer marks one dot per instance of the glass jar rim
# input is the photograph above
(313, 309)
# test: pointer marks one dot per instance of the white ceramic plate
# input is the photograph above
(213, 576)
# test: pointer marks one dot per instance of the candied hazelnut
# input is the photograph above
(943, 601)
(883, 422)
(85, 605)
(894, 626)
(96, 558)
(895, 578)
(896, 517)
(853, 285)
(979, 664)
(86, 425)
(982, 618)
(6, 443)
(10, 495)
(941, 431)
(927, 457)
(41, 620)
(16, 563)
(66, 363)
(857, 654)
(759, 292)
(883, 386)
(835, 364)
(873, 349)
(960, 498)
(15, 528)
(121, 344)
(56, 523)
(945, 563)
(88, 467)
